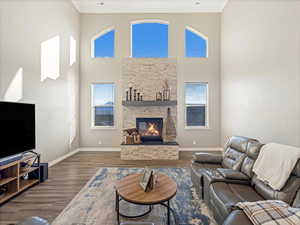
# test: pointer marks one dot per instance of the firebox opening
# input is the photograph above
(150, 129)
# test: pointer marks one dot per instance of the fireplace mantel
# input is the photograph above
(149, 103)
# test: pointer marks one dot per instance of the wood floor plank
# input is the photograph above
(66, 179)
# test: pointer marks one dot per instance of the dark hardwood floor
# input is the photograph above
(66, 179)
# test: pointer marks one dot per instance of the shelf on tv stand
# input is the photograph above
(12, 178)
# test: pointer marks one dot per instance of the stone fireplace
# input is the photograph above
(153, 119)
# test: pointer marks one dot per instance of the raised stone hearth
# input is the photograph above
(149, 152)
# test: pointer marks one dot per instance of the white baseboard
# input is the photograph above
(52, 163)
(195, 149)
(100, 149)
(118, 149)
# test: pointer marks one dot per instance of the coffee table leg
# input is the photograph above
(117, 207)
(168, 212)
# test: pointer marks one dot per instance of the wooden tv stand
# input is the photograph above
(12, 177)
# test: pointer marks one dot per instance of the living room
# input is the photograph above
(166, 88)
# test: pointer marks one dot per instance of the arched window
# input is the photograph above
(196, 44)
(149, 39)
(103, 44)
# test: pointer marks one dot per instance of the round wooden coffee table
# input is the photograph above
(128, 189)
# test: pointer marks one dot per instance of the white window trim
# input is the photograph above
(148, 21)
(207, 126)
(92, 108)
(202, 36)
(99, 35)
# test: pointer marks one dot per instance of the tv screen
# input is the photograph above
(17, 128)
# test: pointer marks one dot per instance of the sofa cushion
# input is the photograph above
(225, 196)
(239, 143)
(253, 149)
(247, 166)
(237, 217)
(233, 159)
(287, 194)
(296, 202)
(209, 158)
(232, 174)
(296, 170)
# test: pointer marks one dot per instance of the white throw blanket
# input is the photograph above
(275, 163)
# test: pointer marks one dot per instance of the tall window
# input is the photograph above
(149, 40)
(195, 44)
(196, 104)
(103, 102)
(103, 46)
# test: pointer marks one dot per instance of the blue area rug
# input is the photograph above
(95, 203)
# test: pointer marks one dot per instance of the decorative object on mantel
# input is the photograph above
(130, 93)
(165, 94)
(149, 103)
(133, 95)
(131, 136)
(170, 127)
(158, 96)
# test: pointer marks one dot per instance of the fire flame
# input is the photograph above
(151, 131)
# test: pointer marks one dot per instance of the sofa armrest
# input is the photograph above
(232, 174)
(237, 217)
(205, 157)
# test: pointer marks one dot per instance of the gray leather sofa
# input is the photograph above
(229, 179)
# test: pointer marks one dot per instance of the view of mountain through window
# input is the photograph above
(196, 104)
(103, 105)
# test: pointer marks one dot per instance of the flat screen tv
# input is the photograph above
(17, 128)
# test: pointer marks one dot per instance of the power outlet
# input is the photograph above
(194, 142)
(100, 142)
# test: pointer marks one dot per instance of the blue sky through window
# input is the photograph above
(103, 94)
(105, 45)
(196, 93)
(150, 40)
(195, 45)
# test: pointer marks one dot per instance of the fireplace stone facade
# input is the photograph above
(148, 76)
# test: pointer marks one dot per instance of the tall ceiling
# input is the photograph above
(149, 6)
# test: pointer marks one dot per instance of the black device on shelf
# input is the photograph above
(42, 174)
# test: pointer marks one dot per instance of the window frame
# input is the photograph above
(99, 34)
(200, 35)
(93, 106)
(207, 123)
(148, 21)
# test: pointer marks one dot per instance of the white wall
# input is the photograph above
(110, 70)
(261, 70)
(24, 25)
